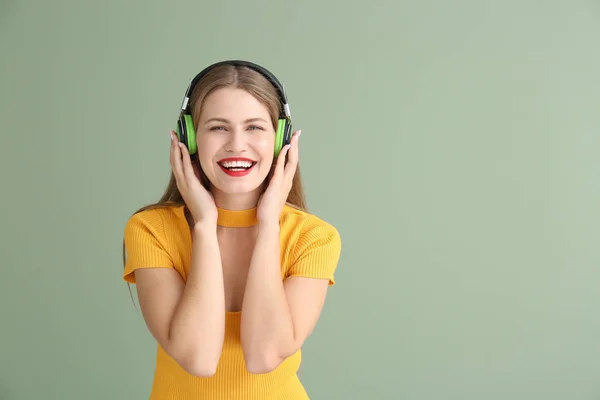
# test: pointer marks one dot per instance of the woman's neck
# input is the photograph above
(237, 201)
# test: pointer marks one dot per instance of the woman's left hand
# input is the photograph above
(273, 200)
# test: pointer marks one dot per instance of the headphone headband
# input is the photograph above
(285, 112)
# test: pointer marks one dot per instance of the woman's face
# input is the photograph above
(236, 140)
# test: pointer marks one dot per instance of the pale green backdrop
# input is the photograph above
(455, 145)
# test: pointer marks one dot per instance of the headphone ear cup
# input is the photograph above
(287, 133)
(180, 131)
(282, 136)
(190, 134)
(279, 136)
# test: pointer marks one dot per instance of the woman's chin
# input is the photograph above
(240, 187)
(235, 183)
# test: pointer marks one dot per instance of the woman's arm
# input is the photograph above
(188, 319)
(277, 317)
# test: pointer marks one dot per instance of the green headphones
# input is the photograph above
(185, 125)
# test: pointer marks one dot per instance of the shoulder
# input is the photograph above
(293, 217)
(304, 228)
(312, 246)
(155, 221)
(150, 238)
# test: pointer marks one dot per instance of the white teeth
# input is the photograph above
(236, 164)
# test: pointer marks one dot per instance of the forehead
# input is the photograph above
(232, 103)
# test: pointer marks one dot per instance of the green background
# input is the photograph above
(455, 145)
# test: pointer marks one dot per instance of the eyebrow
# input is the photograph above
(227, 121)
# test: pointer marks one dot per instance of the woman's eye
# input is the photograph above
(250, 127)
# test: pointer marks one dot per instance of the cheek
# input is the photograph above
(264, 145)
(206, 152)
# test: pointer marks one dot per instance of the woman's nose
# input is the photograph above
(237, 141)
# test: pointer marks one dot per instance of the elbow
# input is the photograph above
(265, 361)
(200, 368)
(201, 371)
(263, 357)
(262, 365)
(199, 365)
(199, 359)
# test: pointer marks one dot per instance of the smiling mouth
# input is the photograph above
(236, 167)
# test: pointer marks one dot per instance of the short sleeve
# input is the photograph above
(317, 251)
(145, 244)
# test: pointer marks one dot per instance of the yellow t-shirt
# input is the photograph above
(161, 238)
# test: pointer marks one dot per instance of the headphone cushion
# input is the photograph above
(280, 135)
(190, 134)
(287, 133)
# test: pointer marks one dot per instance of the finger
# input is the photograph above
(188, 170)
(291, 166)
(177, 167)
(279, 166)
(196, 171)
(171, 149)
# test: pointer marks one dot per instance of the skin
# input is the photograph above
(232, 269)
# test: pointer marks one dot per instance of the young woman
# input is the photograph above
(231, 270)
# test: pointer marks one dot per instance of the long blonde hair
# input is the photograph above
(256, 84)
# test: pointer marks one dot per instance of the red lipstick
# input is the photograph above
(236, 159)
(236, 166)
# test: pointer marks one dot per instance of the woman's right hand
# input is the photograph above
(199, 200)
